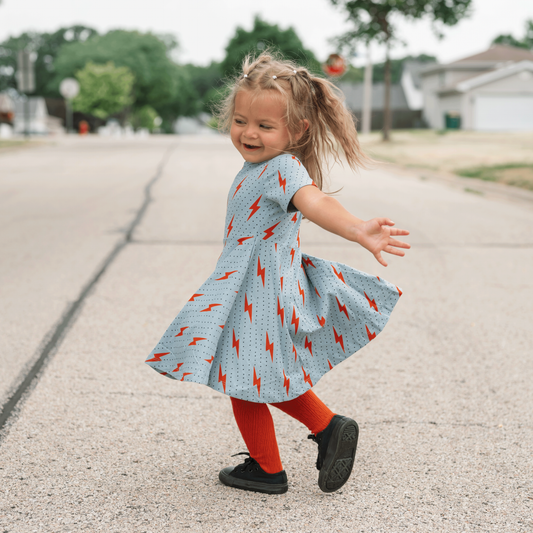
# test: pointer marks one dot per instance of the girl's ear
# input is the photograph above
(304, 125)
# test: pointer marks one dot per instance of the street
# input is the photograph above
(100, 442)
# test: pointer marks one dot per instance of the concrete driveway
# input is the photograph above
(128, 229)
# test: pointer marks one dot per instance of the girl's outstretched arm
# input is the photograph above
(376, 235)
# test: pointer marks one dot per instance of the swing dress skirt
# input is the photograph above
(270, 321)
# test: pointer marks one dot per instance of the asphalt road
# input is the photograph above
(100, 442)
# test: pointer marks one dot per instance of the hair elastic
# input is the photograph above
(245, 76)
(274, 77)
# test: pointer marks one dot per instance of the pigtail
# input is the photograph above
(310, 100)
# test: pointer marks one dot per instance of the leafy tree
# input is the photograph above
(265, 35)
(104, 89)
(396, 68)
(144, 118)
(374, 20)
(45, 47)
(525, 42)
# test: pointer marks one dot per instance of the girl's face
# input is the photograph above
(258, 129)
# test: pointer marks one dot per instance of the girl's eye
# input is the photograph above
(266, 127)
(237, 121)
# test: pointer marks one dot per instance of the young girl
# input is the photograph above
(271, 321)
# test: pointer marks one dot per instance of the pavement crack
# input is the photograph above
(54, 337)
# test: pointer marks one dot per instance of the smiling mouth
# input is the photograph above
(250, 146)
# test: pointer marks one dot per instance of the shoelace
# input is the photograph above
(318, 440)
(249, 464)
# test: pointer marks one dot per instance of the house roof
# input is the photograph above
(494, 75)
(498, 52)
(497, 55)
(354, 96)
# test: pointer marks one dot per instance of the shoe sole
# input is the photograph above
(255, 486)
(340, 455)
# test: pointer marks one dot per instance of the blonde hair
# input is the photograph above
(331, 125)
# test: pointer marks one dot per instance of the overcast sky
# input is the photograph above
(203, 27)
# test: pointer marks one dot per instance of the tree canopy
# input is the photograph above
(525, 42)
(104, 89)
(45, 48)
(264, 35)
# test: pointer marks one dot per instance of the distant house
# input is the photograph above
(490, 91)
(405, 98)
(32, 116)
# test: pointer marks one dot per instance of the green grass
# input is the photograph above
(9, 144)
(497, 173)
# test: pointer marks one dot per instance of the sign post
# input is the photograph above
(25, 83)
(69, 89)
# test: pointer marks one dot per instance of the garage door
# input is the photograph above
(503, 113)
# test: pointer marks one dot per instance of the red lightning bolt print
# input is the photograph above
(286, 382)
(295, 218)
(307, 378)
(338, 274)
(257, 382)
(317, 293)
(185, 374)
(230, 226)
(157, 357)
(295, 320)
(180, 334)
(177, 369)
(281, 282)
(338, 339)
(262, 172)
(226, 275)
(295, 354)
(269, 347)
(309, 346)
(342, 308)
(269, 232)
(298, 239)
(330, 365)
(238, 187)
(302, 293)
(221, 377)
(370, 335)
(235, 344)
(163, 373)
(296, 160)
(380, 280)
(254, 207)
(195, 340)
(282, 182)
(210, 360)
(276, 246)
(247, 306)
(372, 303)
(399, 291)
(321, 320)
(293, 251)
(191, 299)
(281, 312)
(260, 271)
(308, 262)
(210, 308)
(242, 239)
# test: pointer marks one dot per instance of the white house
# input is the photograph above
(490, 91)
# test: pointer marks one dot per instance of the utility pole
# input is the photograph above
(367, 94)
(25, 83)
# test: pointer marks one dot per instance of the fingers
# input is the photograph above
(380, 259)
(399, 244)
(393, 251)
(383, 221)
(396, 231)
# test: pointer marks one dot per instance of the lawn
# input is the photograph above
(499, 157)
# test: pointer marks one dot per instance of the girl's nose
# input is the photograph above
(250, 132)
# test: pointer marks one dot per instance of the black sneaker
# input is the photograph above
(336, 452)
(250, 476)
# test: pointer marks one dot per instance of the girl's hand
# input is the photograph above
(376, 236)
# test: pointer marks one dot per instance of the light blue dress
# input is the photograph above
(270, 321)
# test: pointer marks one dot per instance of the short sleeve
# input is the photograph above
(285, 176)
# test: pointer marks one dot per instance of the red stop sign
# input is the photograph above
(335, 66)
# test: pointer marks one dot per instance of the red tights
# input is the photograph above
(257, 428)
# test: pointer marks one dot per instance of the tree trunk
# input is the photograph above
(387, 116)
